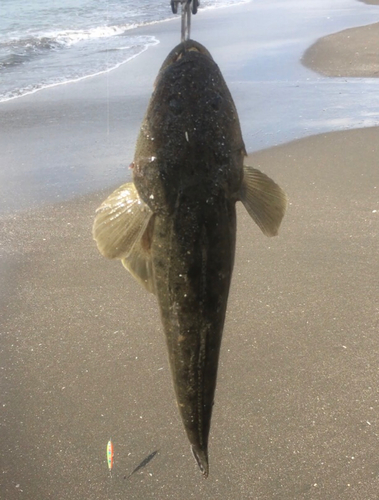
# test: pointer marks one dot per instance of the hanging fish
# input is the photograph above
(174, 226)
(110, 456)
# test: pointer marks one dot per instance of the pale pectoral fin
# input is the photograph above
(265, 201)
(139, 262)
(120, 222)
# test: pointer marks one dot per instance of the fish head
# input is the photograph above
(182, 51)
(190, 136)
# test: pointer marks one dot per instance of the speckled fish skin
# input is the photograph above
(188, 168)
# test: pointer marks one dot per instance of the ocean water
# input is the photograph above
(45, 43)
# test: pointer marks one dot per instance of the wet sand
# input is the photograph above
(297, 403)
(350, 53)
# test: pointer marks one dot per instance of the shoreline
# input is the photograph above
(130, 29)
(96, 197)
(94, 123)
(351, 53)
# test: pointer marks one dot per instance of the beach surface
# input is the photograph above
(350, 53)
(370, 2)
(83, 355)
(296, 410)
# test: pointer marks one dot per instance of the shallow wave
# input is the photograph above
(54, 39)
(29, 42)
(145, 43)
(16, 51)
(12, 60)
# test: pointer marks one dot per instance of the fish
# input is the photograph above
(174, 226)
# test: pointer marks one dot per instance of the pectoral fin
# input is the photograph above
(121, 231)
(264, 200)
(120, 221)
(139, 262)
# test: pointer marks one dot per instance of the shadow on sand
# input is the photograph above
(143, 464)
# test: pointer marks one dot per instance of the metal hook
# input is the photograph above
(186, 14)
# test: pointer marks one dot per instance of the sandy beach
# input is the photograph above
(350, 53)
(83, 356)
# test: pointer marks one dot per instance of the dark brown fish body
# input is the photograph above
(188, 174)
(192, 131)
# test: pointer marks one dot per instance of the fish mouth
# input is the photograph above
(189, 46)
(180, 51)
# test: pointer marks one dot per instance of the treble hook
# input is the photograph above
(186, 14)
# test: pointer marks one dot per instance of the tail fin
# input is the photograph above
(201, 457)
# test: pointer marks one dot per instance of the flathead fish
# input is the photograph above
(174, 226)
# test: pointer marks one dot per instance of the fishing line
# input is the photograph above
(108, 113)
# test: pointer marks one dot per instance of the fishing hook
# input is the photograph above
(186, 15)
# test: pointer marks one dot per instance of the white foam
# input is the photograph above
(72, 37)
(25, 92)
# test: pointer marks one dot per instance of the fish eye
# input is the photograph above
(175, 105)
(216, 102)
